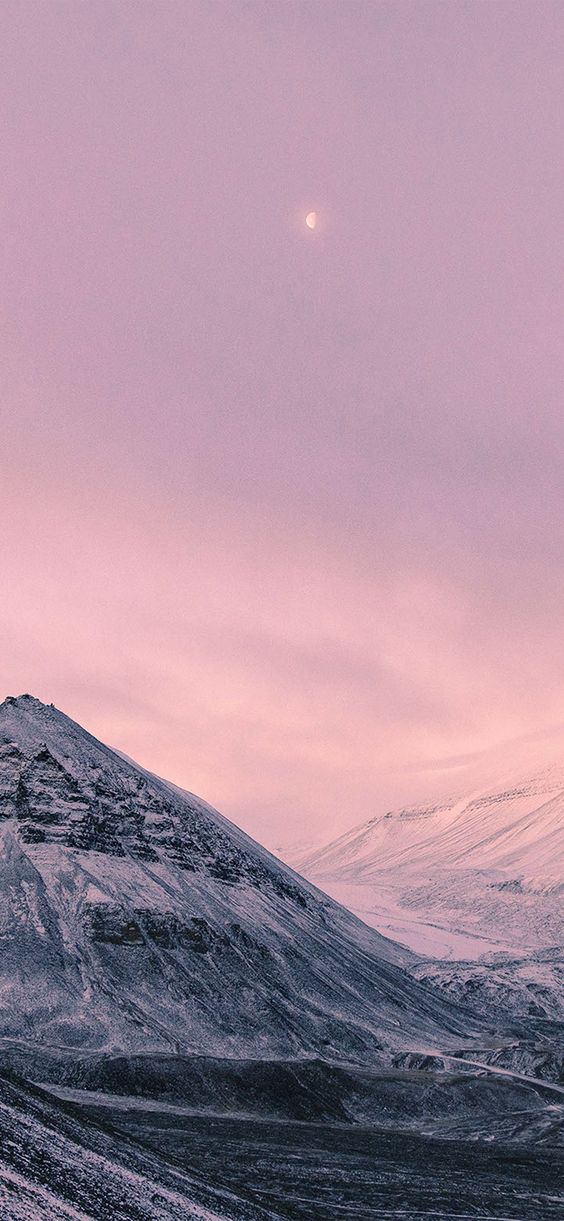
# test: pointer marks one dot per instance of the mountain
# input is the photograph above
(459, 878)
(134, 918)
(179, 1009)
(475, 885)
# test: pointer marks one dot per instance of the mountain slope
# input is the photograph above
(56, 1167)
(133, 917)
(462, 877)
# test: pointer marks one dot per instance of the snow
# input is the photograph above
(462, 877)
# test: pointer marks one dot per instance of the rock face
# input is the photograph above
(134, 917)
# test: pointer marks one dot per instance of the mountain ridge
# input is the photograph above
(462, 877)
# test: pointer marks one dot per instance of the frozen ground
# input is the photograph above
(55, 1167)
(97, 1159)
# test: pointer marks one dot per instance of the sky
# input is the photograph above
(283, 509)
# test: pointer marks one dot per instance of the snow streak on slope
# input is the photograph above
(134, 917)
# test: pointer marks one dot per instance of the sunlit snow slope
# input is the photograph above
(459, 878)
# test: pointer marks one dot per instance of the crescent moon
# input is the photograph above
(311, 220)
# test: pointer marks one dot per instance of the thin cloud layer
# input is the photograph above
(283, 509)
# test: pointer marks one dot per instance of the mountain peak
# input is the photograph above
(27, 708)
(30, 723)
(24, 701)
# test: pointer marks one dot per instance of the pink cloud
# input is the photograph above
(283, 518)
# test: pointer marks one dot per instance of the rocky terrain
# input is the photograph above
(56, 1167)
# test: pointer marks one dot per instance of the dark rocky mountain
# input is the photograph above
(134, 917)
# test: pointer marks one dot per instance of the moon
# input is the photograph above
(311, 220)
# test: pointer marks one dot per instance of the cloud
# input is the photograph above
(282, 518)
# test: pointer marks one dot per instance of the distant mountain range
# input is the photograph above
(473, 884)
(458, 878)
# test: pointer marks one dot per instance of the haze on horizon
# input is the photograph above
(284, 508)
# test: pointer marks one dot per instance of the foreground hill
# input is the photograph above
(95, 1160)
(56, 1167)
(135, 918)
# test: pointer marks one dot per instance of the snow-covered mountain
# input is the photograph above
(474, 874)
(134, 917)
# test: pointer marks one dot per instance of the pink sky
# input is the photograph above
(284, 511)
